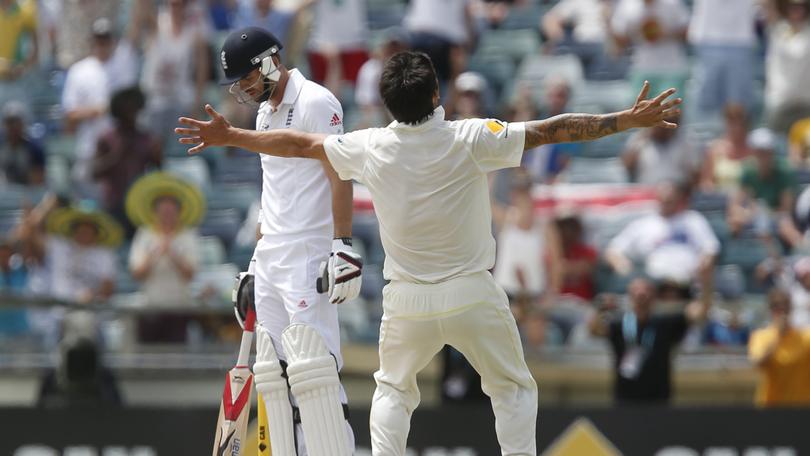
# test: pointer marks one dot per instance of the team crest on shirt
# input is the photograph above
(495, 126)
(335, 121)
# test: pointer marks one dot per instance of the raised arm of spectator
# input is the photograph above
(585, 127)
(553, 25)
(201, 65)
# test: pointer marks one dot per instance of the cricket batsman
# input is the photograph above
(428, 181)
(305, 210)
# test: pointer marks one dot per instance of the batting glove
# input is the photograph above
(341, 276)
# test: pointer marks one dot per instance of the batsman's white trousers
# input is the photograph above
(470, 313)
(285, 270)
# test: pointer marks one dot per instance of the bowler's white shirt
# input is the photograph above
(296, 195)
(428, 183)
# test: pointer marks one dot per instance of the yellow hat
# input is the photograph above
(62, 221)
(147, 189)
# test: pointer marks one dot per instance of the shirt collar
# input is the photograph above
(295, 83)
(435, 117)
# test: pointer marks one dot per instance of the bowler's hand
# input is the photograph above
(654, 112)
(204, 133)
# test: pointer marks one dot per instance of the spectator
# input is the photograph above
(787, 63)
(28, 239)
(799, 143)
(367, 92)
(661, 154)
(123, 153)
(176, 65)
(337, 46)
(643, 341)
(676, 244)
(13, 281)
(722, 33)
(528, 257)
(163, 256)
(767, 192)
(264, 14)
(781, 352)
(579, 259)
(657, 31)
(469, 96)
(72, 19)
(723, 164)
(85, 100)
(22, 160)
(726, 329)
(80, 254)
(13, 275)
(538, 332)
(444, 31)
(547, 162)
(799, 288)
(590, 22)
(19, 23)
(80, 378)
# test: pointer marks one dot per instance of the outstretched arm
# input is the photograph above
(219, 132)
(586, 127)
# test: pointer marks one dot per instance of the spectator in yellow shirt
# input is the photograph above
(18, 19)
(782, 354)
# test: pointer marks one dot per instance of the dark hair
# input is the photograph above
(125, 101)
(407, 86)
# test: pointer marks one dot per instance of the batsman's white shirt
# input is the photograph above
(296, 196)
(296, 218)
(429, 186)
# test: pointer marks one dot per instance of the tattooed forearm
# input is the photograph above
(570, 128)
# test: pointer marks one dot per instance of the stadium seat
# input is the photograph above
(382, 16)
(610, 96)
(525, 17)
(745, 252)
(497, 69)
(192, 169)
(211, 251)
(583, 170)
(213, 284)
(513, 43)
(233, 196)
(607, 147)
(240, 255)
(238, 169)
(62, 145)
(222, 223)
(539, 67)
(714, 202)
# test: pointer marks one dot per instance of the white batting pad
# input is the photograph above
(272, 387)
(314, 382)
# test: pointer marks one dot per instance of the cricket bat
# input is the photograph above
(234, 410)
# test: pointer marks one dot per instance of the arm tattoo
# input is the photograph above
(570, 128)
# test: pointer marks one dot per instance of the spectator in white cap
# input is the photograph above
(22, 160)
(767, 185)
(469, 96)
(85, 100)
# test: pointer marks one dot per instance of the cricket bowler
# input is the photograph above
(428, 181)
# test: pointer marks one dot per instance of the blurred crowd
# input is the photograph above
(90, 90)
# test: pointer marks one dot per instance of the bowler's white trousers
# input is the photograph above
(470, 313)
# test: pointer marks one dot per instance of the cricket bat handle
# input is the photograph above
(244, 349)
